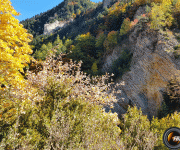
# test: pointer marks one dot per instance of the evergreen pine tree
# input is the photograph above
(57, 41)
(94, 68)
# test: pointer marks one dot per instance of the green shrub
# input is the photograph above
(94, 68)
(100, 40)
(68, 43)
(84, 50)
(64, 112)
(57, 41)
(168, 117)
(125, 27)
(21, 123)
(74, 126)
(43, 52)
(100, 15)
(136, 130)
(177, 47)
(110, 41)
(176, 51)
(148, 9)
(177, 35)
(159, 126)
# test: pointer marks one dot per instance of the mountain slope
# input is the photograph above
(129, 40)
(152, 66)
(63, 11)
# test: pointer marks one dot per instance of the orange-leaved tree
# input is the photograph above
(14, 48)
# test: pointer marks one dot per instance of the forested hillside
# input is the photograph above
(64, 11)
(108, 80)
(104, 29)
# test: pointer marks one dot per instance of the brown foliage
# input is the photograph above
(82, 86)
(35, 66)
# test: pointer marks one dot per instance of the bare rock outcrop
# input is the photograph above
(152, 66)
(141, 10)
(50, 28)
(106, 3)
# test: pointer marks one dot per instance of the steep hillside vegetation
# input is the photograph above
(108, 27)
(107, 40)
(62, 12)
(52, 102)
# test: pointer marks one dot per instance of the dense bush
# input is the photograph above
(159, 126)
(110, 41)
(58, 46)
(58, 112)
(99, 44)
(125, 27)
(61, 108)
(177, 51)
(42, 53)
(164, 110)
(84, 50)
(94, 68)
(74, 126)
(139, 133)
(100, 40)
(136, 131)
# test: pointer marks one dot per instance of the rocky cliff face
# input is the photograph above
(50, 28)
(106, 3)
(152, 66)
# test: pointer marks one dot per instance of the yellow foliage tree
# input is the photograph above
(161, 14)
(142, 2)
(14, 48)
(177, 6)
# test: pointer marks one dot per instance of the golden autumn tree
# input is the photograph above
(177, 6)
(14, 48)
(161, 14)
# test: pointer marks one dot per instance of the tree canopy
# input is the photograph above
(14, 48)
